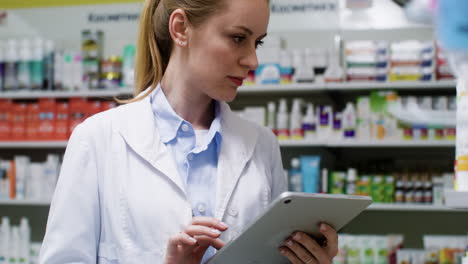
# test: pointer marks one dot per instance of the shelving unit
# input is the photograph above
(248, 89)
(283, 143)
(24, 203)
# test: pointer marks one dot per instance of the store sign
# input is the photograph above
(113, 17)
(294, 15)
(288, 7)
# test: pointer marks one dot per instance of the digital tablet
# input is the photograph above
(289, 212)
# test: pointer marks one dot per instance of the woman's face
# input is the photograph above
(222, 50)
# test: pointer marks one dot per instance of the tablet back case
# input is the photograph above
(288, 213)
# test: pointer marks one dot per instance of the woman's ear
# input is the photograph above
(178, 25)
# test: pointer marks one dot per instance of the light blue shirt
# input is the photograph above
(196, 154)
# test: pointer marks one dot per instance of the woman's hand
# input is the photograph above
(301, 248)
(189, 246)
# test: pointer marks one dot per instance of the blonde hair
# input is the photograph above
(155, 43)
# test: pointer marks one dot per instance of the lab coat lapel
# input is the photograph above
(139, 129)
(236, 150)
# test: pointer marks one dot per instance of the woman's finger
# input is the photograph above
(319, 253)
(179, 242)
(303, 254)
(208, 241)
(332, 239)
(209, 222)
(198, 230)
(291, 256)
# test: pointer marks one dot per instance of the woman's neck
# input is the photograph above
(186, 100)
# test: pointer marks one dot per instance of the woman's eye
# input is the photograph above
(238, 39)
(258, 43)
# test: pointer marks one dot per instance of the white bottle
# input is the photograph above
(51, 171)
(295, 124)
(36, 182)
(68, 72)
(24, 66)
(49, 65)
(37, 65)
(309, 123)
(5, 240)
(77, 71)
(302, 71)
(22, 175)
(11, 66)
(271, 116)
(25, 239)
(295, 176)
(349, 121)
(282, 124)
(15, 245)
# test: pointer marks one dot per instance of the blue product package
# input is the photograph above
(268, 73)
(310, 166)
(452, 24)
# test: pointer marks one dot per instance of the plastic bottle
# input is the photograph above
(282, 124)
(5, 240)
(302, 73)
(324, 121)
(11, 66)
(2, 66)
(49, 65)
(15, 245)
(25, 240)
(295, 124)
(286, 67)
(77, 72)
(271, 116)
(68, 72)
(24, 66)
(349, 121)
(58, 70)
(309, 123)
(51, 171)
(128, 66)
(295, 176)
(37, 65)
(351, 179)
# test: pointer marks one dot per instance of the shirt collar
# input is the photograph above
(169, 122)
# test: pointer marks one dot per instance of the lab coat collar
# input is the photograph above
(136, 124)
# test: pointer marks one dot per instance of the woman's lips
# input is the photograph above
(236, 80)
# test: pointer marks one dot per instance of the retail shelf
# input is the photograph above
(302, 143)
(64, 94)
(391, 85)
(246, 89)
(413, 208)
(283, 143)
(367, 143)
(282, 88)
(456, 199)
(33, 144)
(24, 203)
(391, 143)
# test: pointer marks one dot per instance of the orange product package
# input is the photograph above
(106, 105)
(62, 120)
(77, 112)
(5, 119)
(32, 121)
(94, 107)
(47, 118)
(19, 121)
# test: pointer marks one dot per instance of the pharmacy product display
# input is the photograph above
(378, 180)
(383, 115)
(39, 65)
(15, 243)
(47, 118)
(22, 179)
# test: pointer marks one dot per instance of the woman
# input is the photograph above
(150, 181)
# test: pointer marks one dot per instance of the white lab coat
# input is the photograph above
(119, 196)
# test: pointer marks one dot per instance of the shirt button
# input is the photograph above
(190, 156)
(201, 208)
(185, 127)
(233, 212)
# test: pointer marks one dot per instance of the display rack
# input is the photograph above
(272, 88)
(283, 143)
